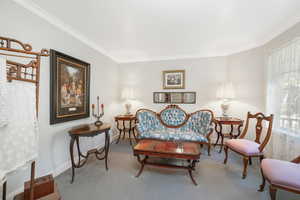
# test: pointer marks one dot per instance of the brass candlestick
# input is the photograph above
(98, 116)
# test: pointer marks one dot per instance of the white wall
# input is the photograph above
(203, 75)
(16, 22)
(246, 71)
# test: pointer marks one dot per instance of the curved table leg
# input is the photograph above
(239, 131)
(222, 139)
(143, 162)
(72, 157)
(4, 191)
(191, 167)
(124, 132)
(120, 132)
(192, 178)
(129, 132)
(216, 129)
(107, 141)
(231, 131)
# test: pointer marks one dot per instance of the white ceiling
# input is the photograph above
(142, 30)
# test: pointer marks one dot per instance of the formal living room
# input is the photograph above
(142, 100)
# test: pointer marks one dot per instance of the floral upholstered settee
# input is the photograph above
(174, 124)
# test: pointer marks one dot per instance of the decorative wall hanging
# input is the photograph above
(69, 88)
(174, 79)
(20, 67)
(174, 97)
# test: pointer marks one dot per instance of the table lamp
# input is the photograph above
(127, 96)
(226, 93)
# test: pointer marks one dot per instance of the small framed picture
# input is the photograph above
(174, 79)
(176, 97)
(189, 97)
(160, 97)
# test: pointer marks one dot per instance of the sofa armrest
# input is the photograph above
(211, 130)
(147, 120)
(201, 123)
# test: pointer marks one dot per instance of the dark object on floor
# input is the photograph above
(44, 189)
(168, 150)
(42, 186)
(53, 196)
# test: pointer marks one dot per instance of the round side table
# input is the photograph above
(128, 125)
(231, 121)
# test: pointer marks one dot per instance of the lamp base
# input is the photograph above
(128, 108)
(225, 106)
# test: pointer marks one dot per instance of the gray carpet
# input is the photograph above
(215, 180)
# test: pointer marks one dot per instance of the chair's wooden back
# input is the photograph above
(260, 118)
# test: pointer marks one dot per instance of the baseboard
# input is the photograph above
(57, 171)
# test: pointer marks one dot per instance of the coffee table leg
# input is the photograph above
(143, 162)
(190, 169)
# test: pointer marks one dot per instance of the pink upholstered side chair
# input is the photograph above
(281, 175)
(248, 148)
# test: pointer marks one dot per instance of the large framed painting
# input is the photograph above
(69, 88)
(174, 79)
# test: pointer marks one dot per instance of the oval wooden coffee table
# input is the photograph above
(164, 149)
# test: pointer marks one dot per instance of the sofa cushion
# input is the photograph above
(173, 135)
(199, 122)
(282, 173)
(246, 147)
(148, 121)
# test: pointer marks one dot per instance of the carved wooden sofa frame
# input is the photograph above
(174, 124)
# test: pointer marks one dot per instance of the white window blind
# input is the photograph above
(283, 90)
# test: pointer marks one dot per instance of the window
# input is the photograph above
(283, 90)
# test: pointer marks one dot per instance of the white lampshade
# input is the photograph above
(128, 94)
(226, 91)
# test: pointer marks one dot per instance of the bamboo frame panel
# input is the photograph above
(29, 72)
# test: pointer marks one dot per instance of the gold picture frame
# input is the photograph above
(174, 79)
(69, 88)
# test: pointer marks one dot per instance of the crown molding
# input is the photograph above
(37, 10)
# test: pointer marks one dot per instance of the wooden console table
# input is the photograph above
(164, 149)
(130, 119)
(88, 130)
(220, 121)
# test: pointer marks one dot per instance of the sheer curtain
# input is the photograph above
(283, 100)
(19, 137)
(3, 92)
